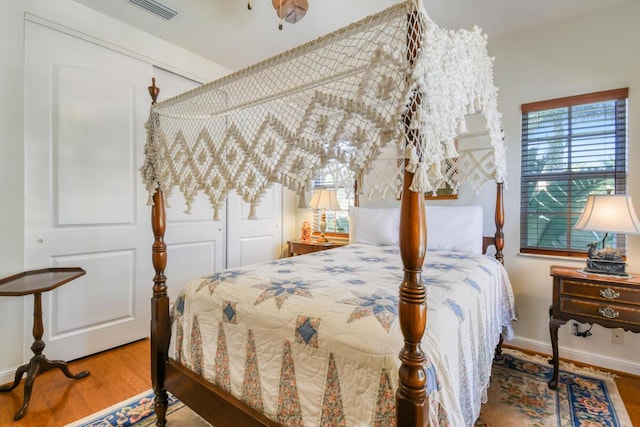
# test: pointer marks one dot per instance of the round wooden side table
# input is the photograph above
(36, 282)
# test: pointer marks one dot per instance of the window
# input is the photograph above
(339, 178)
(571, 147)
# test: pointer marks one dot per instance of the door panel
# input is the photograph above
(254, 240)
(193, 260)
(95, 134)
(93, 301)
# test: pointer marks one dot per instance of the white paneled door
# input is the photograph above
(86, 106)
(85, 111)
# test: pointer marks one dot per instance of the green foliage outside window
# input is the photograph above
(568, 152)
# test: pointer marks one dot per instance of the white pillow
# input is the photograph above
(377, 226)
(454, 228)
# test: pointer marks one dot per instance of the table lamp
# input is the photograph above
(324, 199)
(607, 213)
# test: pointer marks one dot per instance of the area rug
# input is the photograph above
(518, 396)
(138, 411)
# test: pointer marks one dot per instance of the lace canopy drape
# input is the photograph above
(340, 97)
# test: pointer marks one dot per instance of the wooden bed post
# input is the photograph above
(160, 323)
(499, 219)
(412, 405)
(356, 196)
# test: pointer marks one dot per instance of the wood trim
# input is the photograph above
(210, 402)
(486, 242)
(568, 101)
(559, 253)
(550, 252)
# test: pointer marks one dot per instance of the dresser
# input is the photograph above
(609, 301)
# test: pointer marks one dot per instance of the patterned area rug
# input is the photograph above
(518, 396)
(138, 411)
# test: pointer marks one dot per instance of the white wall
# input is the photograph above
(11, 176)
(593, 53)
(70, 17)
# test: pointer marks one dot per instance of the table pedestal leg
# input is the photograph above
(38, 363)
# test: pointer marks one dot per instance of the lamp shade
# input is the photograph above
(324, 199)
(611, 213)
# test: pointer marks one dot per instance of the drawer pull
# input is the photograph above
(609, 313)
(609, 293)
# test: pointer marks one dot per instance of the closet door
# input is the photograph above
(85, 206)
(254, 240)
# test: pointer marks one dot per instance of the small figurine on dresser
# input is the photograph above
(605, 261)
(306, 231)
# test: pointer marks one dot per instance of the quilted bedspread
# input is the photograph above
(314, 339)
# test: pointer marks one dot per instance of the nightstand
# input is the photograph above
(300, 247)
(609, 301)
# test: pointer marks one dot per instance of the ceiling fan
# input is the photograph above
(290, 11)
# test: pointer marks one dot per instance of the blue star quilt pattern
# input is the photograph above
(316, 337)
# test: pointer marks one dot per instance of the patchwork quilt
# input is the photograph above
(314, 339)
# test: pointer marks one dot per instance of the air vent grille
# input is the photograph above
(156, 8)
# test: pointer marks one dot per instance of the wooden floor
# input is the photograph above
(124, 372)
(57, 400)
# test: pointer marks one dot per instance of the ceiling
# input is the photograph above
(226, 32)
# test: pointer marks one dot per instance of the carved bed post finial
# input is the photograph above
(412, 404)
(154, 91)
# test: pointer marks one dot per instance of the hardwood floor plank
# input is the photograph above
(629, 387)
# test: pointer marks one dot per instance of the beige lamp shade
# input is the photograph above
(324, 199)
(611, 213)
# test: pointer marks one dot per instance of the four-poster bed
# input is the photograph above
(393, 78)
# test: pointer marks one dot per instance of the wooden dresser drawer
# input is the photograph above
(603, 292)
(601, 311)
(609, 301)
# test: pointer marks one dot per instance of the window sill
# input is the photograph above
(554, 257)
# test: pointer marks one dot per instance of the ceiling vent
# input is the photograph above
(156, 8)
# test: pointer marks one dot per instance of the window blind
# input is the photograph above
(571, 147)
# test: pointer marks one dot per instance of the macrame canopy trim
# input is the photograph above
(342, 97)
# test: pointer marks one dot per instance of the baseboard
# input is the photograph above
(8, 376)
(595, 360)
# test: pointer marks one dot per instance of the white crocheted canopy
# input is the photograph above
(344, 97)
